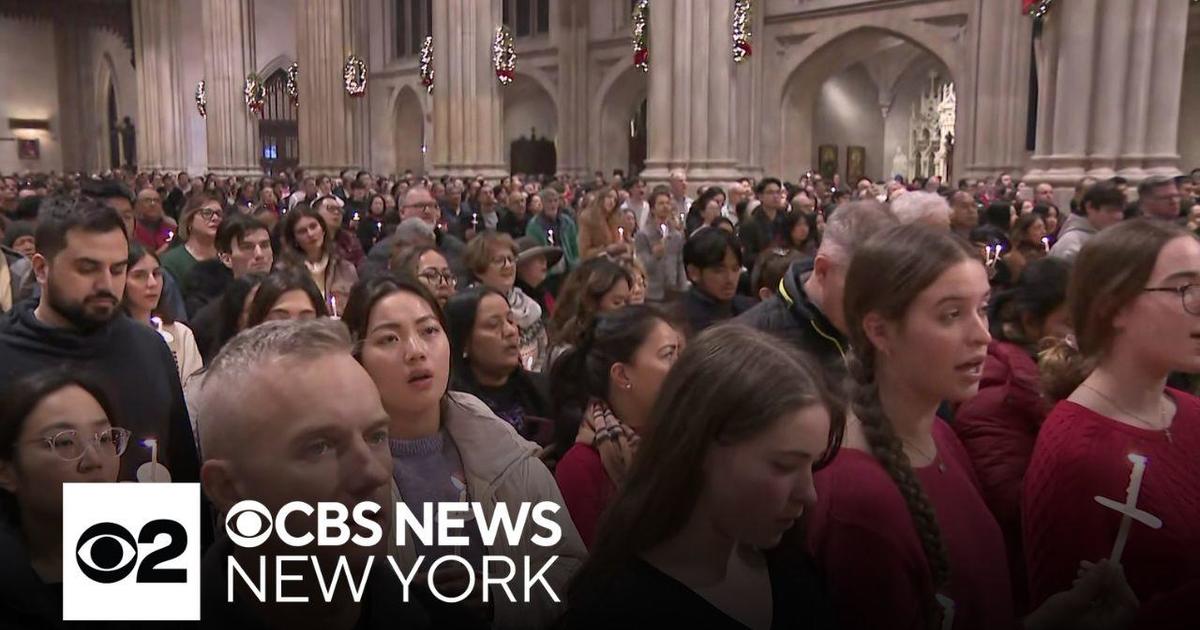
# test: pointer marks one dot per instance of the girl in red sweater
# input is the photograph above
(1135, 302)
(900, 528)
(614, 377)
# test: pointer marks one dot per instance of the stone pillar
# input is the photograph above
(691, 53)
(77, 121)
(1114, 70)
(468, 131)
(232, 130)
(160, 133)
(574, 100)
(1003, 35)
(333, 124)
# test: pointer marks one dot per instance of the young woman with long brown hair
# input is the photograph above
(692, 540)
(901, 531)
(1134, 298)
(598, 227)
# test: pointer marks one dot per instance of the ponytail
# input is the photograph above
(888, 450)
(1062, 366)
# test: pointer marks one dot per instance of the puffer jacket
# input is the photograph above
(503, 467)
(999, 427)
(791, 316)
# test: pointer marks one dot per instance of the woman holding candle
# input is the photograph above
(56, 427)
(899, 521)
(308, 246)
(598, 227)
(143, 293)
(660, 248)
(448, 446)
(1029, 243)
(1135, 306)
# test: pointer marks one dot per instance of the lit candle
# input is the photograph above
(1046, 243)
(475, 221)
(662, 227)
(333, 306)
(152, 444)
(355, 217)
(550, 235)
(170, 235)
(621, 233)
(1129, 510)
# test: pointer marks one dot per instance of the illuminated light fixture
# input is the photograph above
(42, 124)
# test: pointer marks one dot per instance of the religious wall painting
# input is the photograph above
(856, 160)
(827, 160)
(28, 149)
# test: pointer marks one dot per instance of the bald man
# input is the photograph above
(287, 414)
(152, 229)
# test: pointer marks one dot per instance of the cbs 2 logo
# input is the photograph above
(107, 553)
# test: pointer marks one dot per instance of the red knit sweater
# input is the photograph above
(862, 535)
(1081, 454)
(585, 487)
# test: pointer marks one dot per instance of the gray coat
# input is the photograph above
(1076, 231)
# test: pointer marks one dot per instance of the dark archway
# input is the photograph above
(279, 129)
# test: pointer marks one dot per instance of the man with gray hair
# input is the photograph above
(922, 207)
(807, 311)
(1159, 198)
(287, 414)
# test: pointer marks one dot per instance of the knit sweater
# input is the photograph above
(1080, 455)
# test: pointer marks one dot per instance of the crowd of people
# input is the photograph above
(774, 404)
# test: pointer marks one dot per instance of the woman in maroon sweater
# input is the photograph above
(1135, 303)
(613, 377)
(999, 425)
(900, 528)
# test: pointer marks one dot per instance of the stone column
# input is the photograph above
(77, 121)
(160, 94)
(333, 125)
(232, 130)
(1003, 35)
(468, 132)
(690, 54)
(574, 104)
(1115, 73)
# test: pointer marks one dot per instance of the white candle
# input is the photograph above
(550, 234)
(1129, 510)
(1046, 243)
(170, 235)
(333, 306)
(621, 233)
(153, 444)
(662, 227)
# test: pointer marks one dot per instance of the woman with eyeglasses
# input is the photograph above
(427, 264)
(345, 241)
(56, 427)
(308, 245)
(198, 234)
(492, 259)
(1134, 297)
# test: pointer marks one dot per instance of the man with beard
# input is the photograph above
(80, 268)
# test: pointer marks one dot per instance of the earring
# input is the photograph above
(628, 385)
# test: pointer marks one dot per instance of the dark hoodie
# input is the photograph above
(791, 316)
(700, 310)
(137, 372)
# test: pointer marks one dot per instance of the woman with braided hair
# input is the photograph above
(901, 529)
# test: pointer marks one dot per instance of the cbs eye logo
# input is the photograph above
(248, 524)
(107, 553)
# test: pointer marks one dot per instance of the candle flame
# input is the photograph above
(150, 442)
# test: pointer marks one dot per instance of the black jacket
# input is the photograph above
(759, 233)
(700, 310)
(135, 368)
(791, 316)
(207, 281)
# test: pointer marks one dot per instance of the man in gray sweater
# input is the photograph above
(1102, 205)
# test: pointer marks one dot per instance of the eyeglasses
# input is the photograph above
(504, 261)
(435, 277)
(70, 445)
(208, 214)
(1189, 296)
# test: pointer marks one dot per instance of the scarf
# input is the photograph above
(527, 315)
(616, 442)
